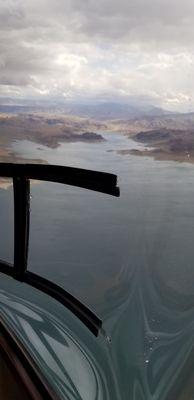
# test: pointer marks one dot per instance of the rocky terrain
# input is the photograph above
(44, 129)
(167, 137)
(165, 144)
(131, 126)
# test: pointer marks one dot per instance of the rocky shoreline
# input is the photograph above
(164, 145)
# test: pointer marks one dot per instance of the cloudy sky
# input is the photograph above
(110, 49)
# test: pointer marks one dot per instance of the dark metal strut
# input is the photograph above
(21, 188)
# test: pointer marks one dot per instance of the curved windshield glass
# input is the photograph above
(105, 87)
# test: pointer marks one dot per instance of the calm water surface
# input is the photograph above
(131, 259)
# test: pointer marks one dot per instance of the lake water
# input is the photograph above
(131, 259)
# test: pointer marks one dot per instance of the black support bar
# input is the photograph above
(21, 187)
(87, 179)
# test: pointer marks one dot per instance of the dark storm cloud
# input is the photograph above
(137, 20)
(140, 20)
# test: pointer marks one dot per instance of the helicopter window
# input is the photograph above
(22, 173)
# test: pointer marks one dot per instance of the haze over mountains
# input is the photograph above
(131, 116)
(98, 110)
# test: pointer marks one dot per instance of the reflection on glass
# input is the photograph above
(67, 362)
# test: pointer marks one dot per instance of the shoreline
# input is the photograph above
(44, 130)
(159, 155)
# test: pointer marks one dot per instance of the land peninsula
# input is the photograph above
(164, 144)
(44, 129)
(166, 137)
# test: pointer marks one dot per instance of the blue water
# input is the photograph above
(131, 259)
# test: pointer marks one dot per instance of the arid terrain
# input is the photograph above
(166, 144)
(44, 129)
(167, 136)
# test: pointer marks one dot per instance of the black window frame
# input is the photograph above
(22, 174)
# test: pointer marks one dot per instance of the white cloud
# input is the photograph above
(98, 48)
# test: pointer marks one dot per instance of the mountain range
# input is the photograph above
(99, 110)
